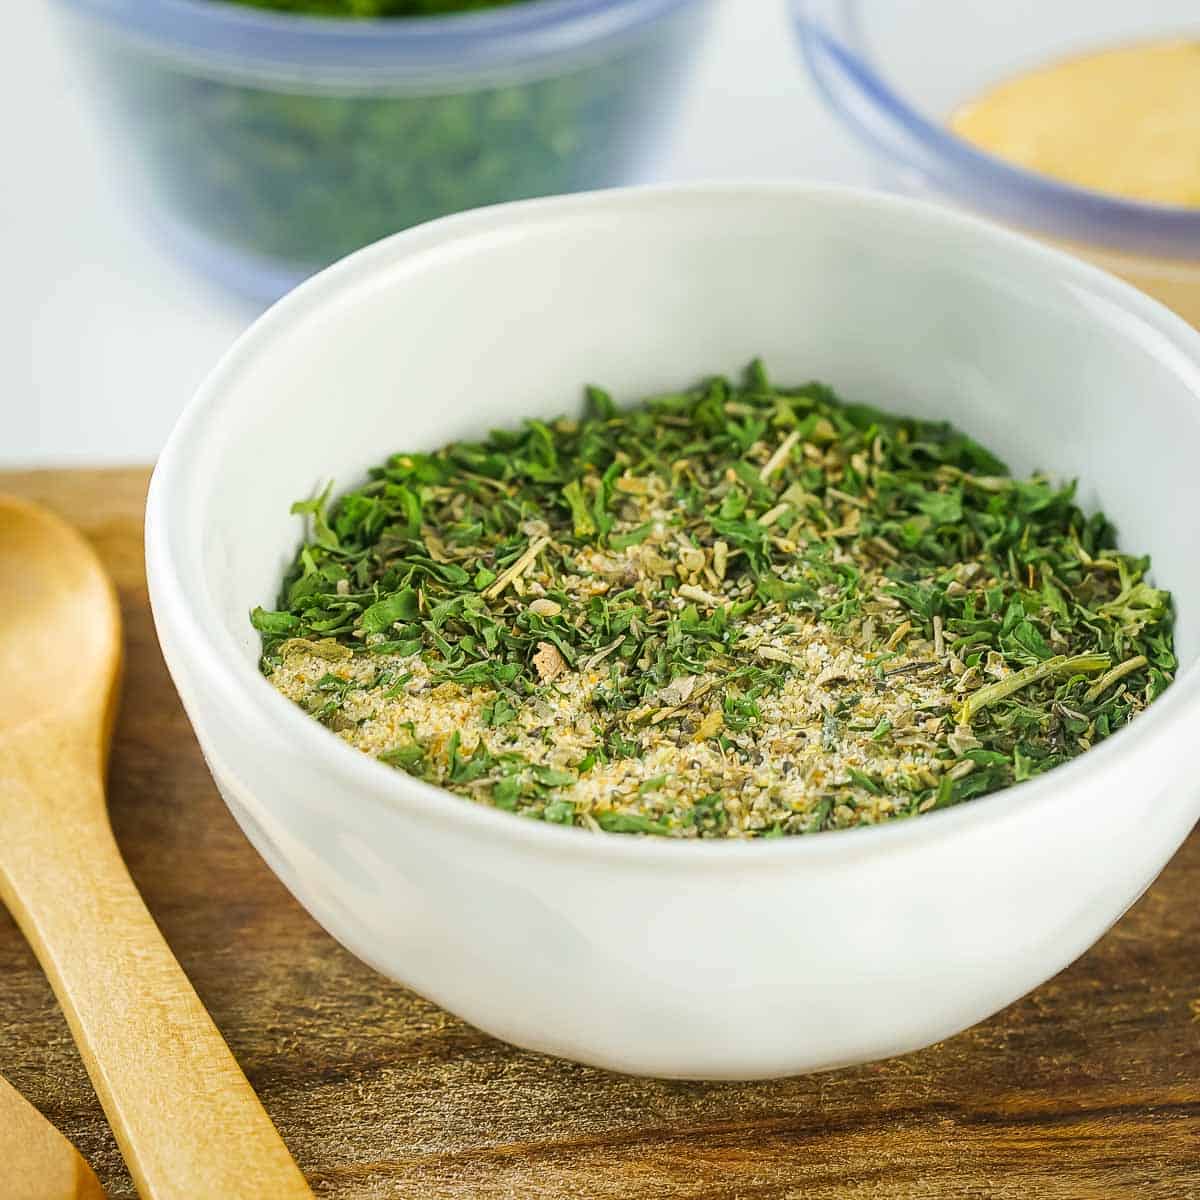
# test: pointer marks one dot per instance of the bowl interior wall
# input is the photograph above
(890, 305)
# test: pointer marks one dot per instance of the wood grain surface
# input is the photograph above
(1088, 1088)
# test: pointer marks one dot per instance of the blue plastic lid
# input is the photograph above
(235, 36)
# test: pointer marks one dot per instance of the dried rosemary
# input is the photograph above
(734, 611)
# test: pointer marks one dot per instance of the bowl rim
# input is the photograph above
(975, 176)
(233, 683)
(228, 35)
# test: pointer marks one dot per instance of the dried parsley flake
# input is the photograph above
(734, 611)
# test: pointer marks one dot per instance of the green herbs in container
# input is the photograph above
(737, 611)
(275, 136)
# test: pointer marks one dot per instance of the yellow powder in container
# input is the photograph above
(1125, 121)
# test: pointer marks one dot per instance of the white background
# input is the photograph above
(103, 336)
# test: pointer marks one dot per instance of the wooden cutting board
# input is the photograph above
(1088, 1088)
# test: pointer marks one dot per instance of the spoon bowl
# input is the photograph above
(60, 633)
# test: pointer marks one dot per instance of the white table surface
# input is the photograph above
(103, 336)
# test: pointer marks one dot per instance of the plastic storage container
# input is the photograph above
(895, 93)
(273, 144)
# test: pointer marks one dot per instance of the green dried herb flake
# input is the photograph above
(732, 611)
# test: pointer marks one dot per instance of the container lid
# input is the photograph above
(234, 37)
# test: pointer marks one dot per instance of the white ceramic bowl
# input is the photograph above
(645, 955)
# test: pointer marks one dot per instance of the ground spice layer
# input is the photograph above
(735, 611)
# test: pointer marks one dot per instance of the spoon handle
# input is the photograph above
(39, 1163)
(186, 1119)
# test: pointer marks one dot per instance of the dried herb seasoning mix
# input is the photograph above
(735, 611)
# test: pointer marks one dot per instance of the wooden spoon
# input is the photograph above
(186, 1120)
(39, 1163)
